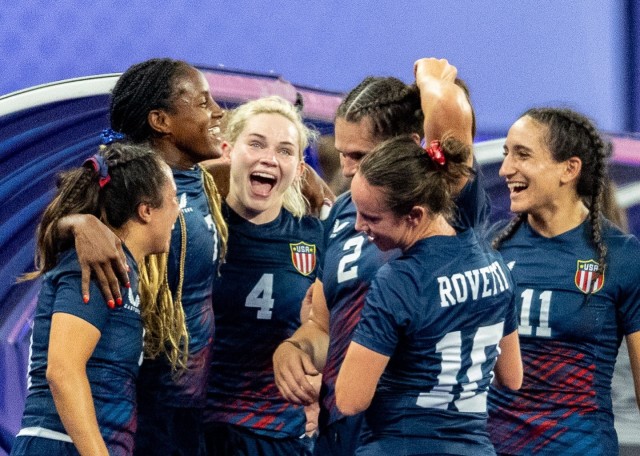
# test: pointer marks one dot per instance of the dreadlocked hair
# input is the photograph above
(410, 177)
(137, 175)
(570, 134)
(142, 88)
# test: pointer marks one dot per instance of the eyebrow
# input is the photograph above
(264, 138)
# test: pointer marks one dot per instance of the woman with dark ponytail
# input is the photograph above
(578, 290)
(435, 319)
(84, 358)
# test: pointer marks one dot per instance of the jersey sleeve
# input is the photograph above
(629, 302)
(473, 204)
(384, 317)
(69, 300)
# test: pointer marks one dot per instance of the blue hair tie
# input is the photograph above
(100, 166)
(109, 136)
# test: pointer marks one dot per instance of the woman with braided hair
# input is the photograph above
(376, 110)
(84, 359)
(577, 289)
(167, 104)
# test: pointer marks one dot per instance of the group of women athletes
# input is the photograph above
(429, 339)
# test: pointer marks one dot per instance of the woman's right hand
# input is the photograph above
(291, 366)
(99, 251)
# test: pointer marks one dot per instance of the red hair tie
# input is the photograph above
(434, 151)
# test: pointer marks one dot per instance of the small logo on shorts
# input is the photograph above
(303, 257)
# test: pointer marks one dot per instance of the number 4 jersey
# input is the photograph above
(569, 343)
(257, 300)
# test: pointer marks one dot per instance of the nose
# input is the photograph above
(349, 166)
(506, 168)
(269, 156)
(360, 225)
(216, 110)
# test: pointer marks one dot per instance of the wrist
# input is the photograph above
(295, 343)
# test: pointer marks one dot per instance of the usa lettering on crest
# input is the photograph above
(588, 277)
(303, 257)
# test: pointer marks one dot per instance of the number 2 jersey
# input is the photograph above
(439, 312)
(257, 300)
(568, 343)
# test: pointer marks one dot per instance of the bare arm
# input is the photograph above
(447, 112)
(304, 353)
(358, 378)
(99, 250)
(508, 368)
(71, 343)
(633, 344)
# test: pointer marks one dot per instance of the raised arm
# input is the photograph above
(304, 353)
(99, 251)
(71, 343)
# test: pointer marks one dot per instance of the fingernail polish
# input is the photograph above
(110, 304)
(127, 285)
(119, 300)
(85, 299)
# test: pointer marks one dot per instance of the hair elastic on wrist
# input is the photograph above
(109, 136)
(101, 167)
(434, 151)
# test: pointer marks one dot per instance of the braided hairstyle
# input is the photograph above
(393, 106)
(409, 177)
(570, 134)
(142, 88)
(137, 175)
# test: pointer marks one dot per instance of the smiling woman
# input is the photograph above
(271, 262)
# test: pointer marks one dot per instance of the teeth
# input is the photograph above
(264, 175)
(516, 186)
(214, 130)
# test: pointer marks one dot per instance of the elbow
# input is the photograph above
(512, 380)
(513, 383)
(348, 404)
(55, 377)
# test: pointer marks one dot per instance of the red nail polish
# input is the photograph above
(119, 300)
(85, 299)
(127, 285)
(110, 304)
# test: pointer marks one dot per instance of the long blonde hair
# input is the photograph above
(166, 330)
(293, 200)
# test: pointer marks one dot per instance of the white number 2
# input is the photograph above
(525, 328)
(345, 274)
(260, 297)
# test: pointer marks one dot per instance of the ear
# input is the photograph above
(571, 171)
(226, 149)
(144, 212)
(416, 138)
(301, 170)
(159, 121)
(416, 215)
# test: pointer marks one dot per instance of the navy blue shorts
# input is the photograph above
(340, 438)
(27, 445)
(168, 431)
(230, 440)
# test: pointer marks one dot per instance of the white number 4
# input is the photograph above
(260, 297)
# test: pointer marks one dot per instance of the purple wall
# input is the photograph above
(514, 54)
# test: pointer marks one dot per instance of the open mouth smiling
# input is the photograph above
(262, 183)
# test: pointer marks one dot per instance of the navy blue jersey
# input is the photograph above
(112, 368)
(439, 312)
(200, 266)
(257, 301)
(569, 345)
(351, 262)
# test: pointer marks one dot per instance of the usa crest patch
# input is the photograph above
(303, 257)
(588, 276)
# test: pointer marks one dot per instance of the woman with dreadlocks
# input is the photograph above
(84, 359)
(167, 104)
(578, 290)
